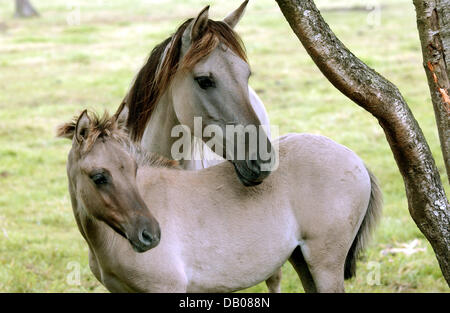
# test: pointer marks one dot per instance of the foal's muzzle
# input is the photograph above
(145, 241)
(144, 236)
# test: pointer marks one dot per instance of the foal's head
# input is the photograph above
(102, 179)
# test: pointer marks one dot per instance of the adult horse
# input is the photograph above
(315, 210)
(200, 71)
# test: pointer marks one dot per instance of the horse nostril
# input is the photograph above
(146, 238)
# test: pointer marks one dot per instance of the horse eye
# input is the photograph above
(99, 179)
(205, 82)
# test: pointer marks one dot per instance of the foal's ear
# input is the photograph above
(82, 127)
(121, 115)
(198, 26)
(234, 17)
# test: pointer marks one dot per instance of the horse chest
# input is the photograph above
(142, 273)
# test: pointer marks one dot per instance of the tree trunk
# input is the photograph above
(427, 202)
(25, 9)
(433, 23)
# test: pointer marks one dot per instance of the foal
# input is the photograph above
(151, 227)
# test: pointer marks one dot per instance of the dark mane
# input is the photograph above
(149, 85)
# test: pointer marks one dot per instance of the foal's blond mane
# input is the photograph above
(107, 127)
(154, 78)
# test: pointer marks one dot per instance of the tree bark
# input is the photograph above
(433, 23)
(25, 9)
(427, 202)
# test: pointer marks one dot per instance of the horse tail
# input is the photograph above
(368, 224)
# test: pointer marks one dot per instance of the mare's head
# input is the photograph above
(204, 71)
(102, 179)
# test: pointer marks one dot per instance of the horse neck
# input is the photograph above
(157, 135)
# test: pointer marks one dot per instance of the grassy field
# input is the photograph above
(55, 66)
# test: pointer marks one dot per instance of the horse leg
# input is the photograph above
(301, 267)
(274, 282)
(325, 262)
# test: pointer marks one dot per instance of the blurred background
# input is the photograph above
(84, 54)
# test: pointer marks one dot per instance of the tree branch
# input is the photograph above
(427, 201)
(433, 18)
(25, 9)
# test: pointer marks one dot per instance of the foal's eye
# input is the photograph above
(205, 82)
(99, 179)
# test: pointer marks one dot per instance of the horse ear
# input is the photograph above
(121, 115)
(82, 127)
(234, 17)
(199, 24)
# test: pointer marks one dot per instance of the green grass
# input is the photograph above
(50, 70)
